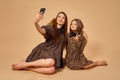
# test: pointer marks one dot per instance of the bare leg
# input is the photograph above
(94, 64)
(38, 63)
(101, 63)
(49, 70)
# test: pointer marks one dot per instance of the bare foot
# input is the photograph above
(18, 66)
(101, 63)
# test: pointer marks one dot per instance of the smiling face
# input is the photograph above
(61, 19)
(76, 26)
(73, 26)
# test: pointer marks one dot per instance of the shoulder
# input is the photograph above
(47, 27)
(84, 38)
(85, 35)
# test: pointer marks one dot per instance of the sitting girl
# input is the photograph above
(75, 59)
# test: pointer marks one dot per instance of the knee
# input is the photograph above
(50, 70)
(50, 62)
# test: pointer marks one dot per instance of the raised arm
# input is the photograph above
(38, 27)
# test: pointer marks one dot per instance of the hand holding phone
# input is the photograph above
(42, 10)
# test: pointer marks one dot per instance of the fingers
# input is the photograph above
(38, 17)
(41, 13)
(77, 37)
(77, 34)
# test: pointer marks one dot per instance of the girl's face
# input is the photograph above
(73, 26)
(61, 19)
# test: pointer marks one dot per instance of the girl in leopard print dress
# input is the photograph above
(76, 42)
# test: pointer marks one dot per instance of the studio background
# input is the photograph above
(18, 36)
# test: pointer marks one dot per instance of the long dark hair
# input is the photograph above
(53, 23)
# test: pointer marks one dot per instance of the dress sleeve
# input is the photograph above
(49, 32)
(81, 43)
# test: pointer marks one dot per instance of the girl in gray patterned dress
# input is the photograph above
(47, 57)
(76, 42)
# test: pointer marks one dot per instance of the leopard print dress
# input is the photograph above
(75, 59)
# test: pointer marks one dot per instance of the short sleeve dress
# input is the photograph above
(49, 48)
(75, 59)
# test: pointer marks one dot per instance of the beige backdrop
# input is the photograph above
(18, 36)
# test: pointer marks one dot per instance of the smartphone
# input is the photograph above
(42, 10)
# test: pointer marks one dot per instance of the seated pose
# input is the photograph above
(46, 57)
(76, 42)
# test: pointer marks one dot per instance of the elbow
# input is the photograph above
(35, 22)
(42, 32)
